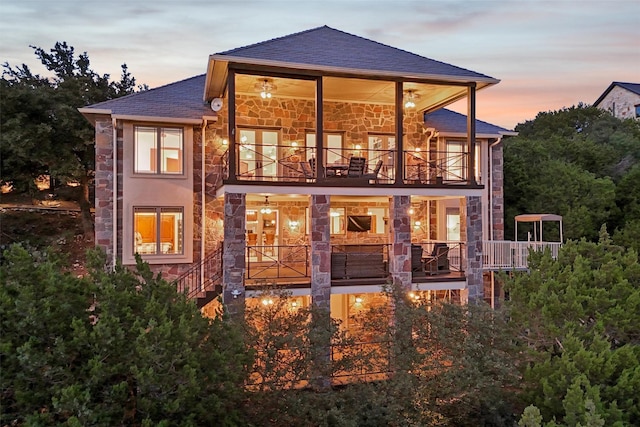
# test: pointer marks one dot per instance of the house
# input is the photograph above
(320, 162)
(622, 100)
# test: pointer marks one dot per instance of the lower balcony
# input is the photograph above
(351, 264)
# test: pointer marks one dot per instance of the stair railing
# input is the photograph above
(202, 276)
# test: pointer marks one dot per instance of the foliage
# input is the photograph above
(577, 318)
(450, 365)
(118, 348)
(578, 162)
(42, 130)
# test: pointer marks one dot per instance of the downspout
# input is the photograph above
(115, 193)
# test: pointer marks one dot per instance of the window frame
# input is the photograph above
(158, 212)
(159, 151)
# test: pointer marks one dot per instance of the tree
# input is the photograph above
(576, 320)
(117, 348)
(43, 132)
(570, 162)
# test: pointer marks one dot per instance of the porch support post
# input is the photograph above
(400, 238)
(319, 130)
(320, 291)
(475, 287)
(231, 103)
(471, 133)
(233, 255)
(399, 136)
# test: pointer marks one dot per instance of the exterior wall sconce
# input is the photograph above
(417, 224)
(293, 225)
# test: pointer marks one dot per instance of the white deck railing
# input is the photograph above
(507, 255)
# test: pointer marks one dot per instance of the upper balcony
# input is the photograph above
(277, 164)
(340, 131)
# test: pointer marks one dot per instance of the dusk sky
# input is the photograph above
(547, 54)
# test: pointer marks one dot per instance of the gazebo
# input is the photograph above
(538, 220)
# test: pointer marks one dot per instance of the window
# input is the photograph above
(158, 231)
(158, 150)
(337, 220)
(378, 216)
(334, 152)
(453, 224)
(637, 107)
(455, 161)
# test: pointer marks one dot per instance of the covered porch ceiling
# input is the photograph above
(429, 92)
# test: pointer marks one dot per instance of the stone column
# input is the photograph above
(474, 248)
(104, 195)
(320, 252)
(320, 290)
(400, 239)
(497, 193)
(233, 256)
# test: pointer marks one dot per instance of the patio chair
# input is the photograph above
(356, 167)
(438, 262)
(374, 175)
(417, 264)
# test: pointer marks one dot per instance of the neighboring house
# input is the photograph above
(622, 100)
(321, 162)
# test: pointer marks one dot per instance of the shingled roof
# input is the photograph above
(325, 47)
(178, 101)
(453, 123)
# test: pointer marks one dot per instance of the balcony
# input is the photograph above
(351, 265)
(280, 164)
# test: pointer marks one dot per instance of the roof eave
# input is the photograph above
(91, 114)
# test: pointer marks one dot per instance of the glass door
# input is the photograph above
(258, 154)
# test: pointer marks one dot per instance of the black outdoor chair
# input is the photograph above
(356, 167)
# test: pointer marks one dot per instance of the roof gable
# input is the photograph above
(325, 47)
(631, 87)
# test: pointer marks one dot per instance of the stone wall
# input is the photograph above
(473, 211)
(621, 103)
(104, 196)
(497, 193)
(400, 239)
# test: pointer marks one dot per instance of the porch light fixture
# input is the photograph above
(266, 87)
(410, 98)
(266, 209)
(293, 225)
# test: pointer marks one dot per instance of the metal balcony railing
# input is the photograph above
(507, 255)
